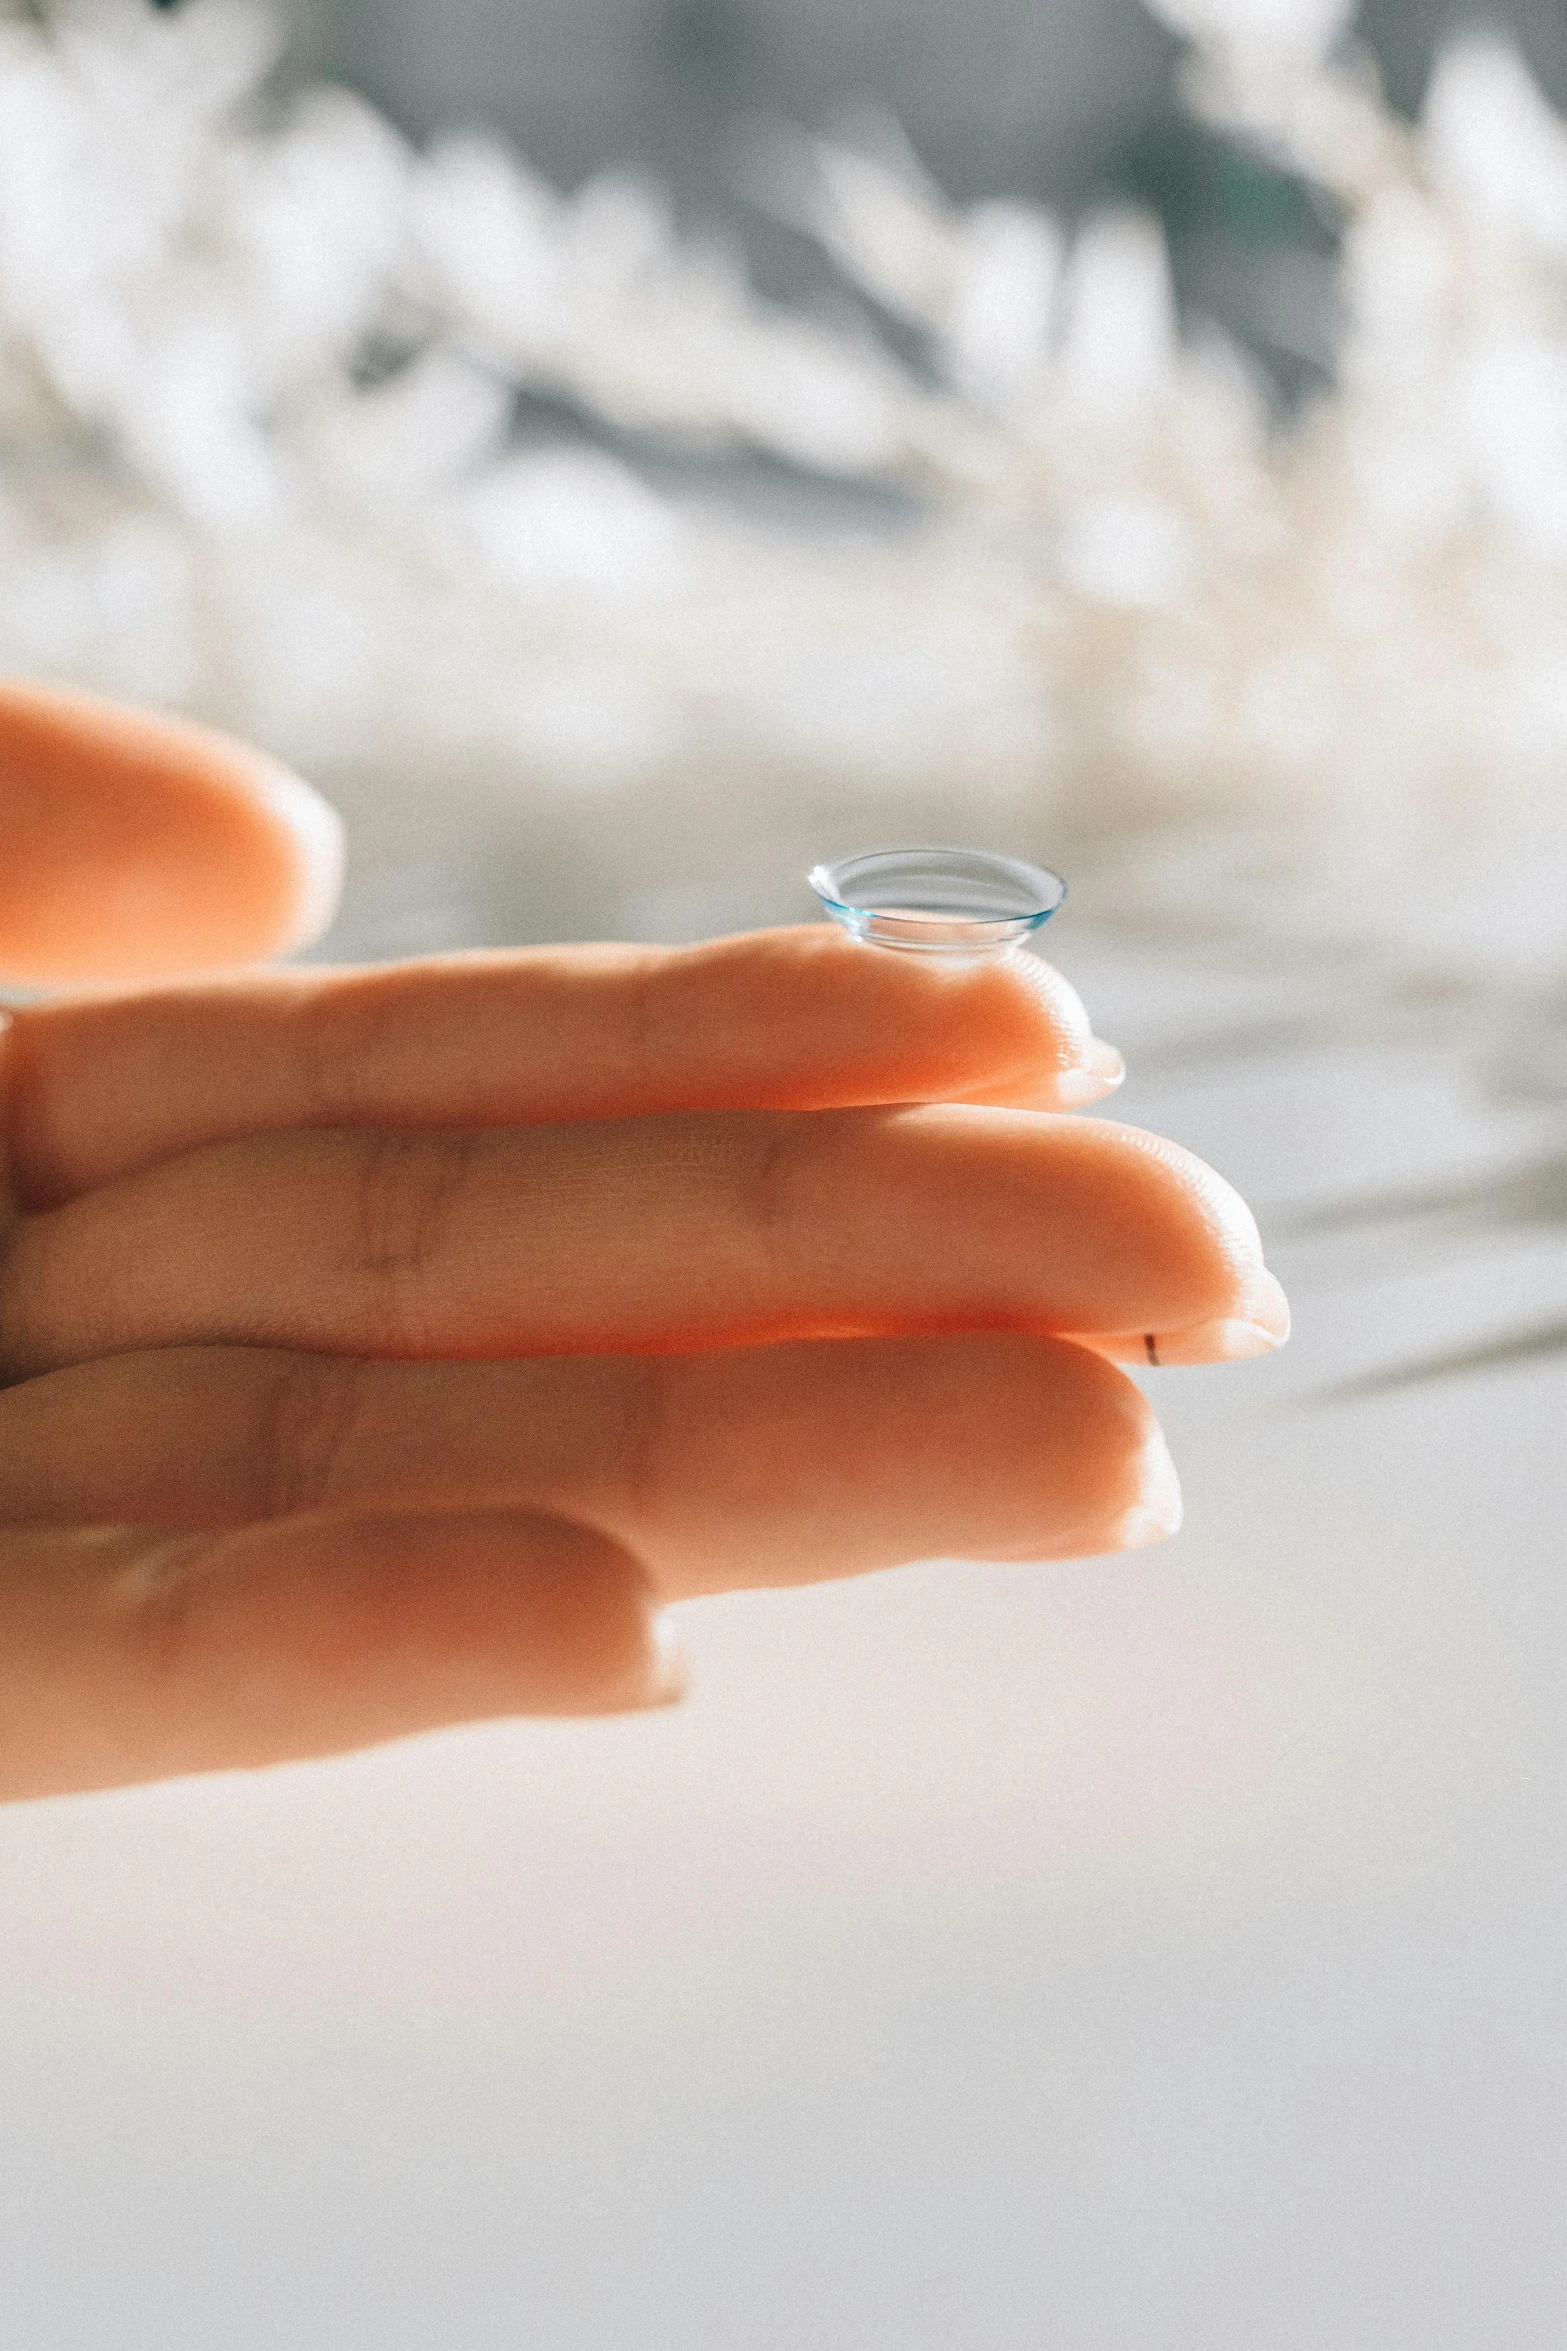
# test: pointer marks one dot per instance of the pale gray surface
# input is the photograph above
(1163, 1955)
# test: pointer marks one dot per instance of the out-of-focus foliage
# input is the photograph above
(258, 378)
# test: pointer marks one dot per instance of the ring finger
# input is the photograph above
(650, 1233)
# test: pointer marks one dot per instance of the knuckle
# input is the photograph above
(306, 1427)
(344, 1026)
(156, 1599)
(645, 1396)
(656, 991)
(406, 1197)
(771, 1169)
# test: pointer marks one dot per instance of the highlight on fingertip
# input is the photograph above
(667, 1679)
(1159, 1509)
(141, 845)
(320, 846)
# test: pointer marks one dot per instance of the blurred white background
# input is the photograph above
(1122, 1957)
(1155, 452)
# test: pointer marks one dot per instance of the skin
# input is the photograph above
(383, 1349)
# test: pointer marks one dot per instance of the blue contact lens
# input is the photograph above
(960, 903)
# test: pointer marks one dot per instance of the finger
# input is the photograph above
(796, 1019)
(136, 1656)
(137, 844)
(637, 1234)
(769, 1465)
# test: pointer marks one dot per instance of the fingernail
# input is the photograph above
(1231, 1341)
(1158, 1513)
(1097, 1075)
(1234, 1342)
(1268, 1308)
(667, 1677)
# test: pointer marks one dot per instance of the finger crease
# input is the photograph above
(155, 1598)
(769, 1174)
(408, 1194)
(642, 1448)
(308, 1427)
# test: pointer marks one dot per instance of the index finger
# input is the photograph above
(798, 1019)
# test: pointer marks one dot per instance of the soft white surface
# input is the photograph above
(1149, 1956)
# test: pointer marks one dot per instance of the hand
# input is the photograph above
(383, 1348)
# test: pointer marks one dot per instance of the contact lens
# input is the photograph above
(960, 903)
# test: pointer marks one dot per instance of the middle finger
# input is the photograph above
(637, 1234)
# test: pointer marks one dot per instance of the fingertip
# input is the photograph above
(1050, 988)
(142, 845)
(1029, 1020)
(1268, 1307)
(1010, 1031)
(667, 1677)
(1116, 1465)
(1101, 1074)
(315, 842)
(1159, 1509)
(1193, 1230)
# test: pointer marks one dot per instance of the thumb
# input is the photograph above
(134, 845)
